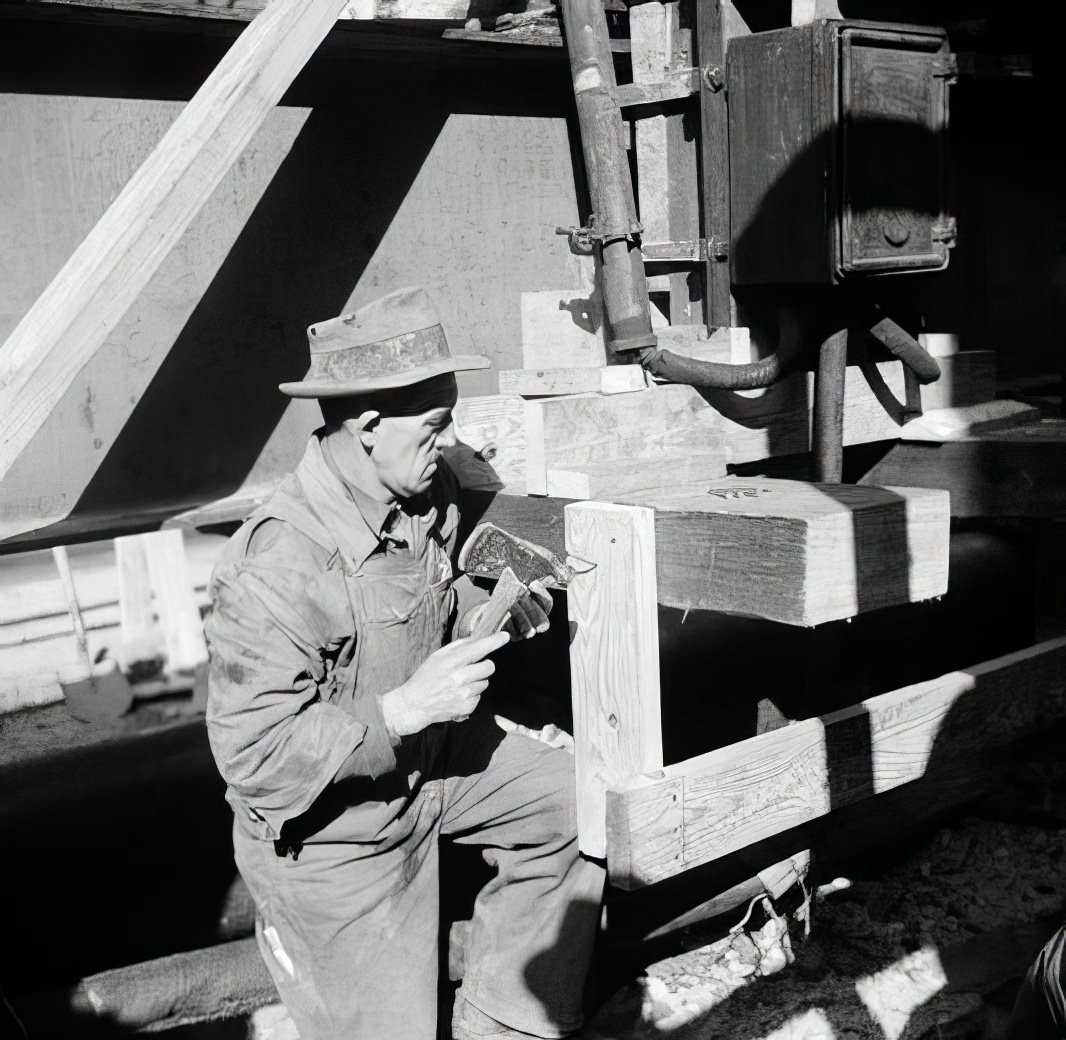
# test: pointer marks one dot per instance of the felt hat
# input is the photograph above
(394, 341)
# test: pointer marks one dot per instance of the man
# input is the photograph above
(343, 727)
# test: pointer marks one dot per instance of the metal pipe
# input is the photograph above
(904, 346)
(828, 435)
(751, 376)
(613, 224)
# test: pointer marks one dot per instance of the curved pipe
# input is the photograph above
(903, 345)
(711, 374)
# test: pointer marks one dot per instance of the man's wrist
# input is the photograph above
(391, 717)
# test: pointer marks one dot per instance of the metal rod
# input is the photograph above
(829, 409)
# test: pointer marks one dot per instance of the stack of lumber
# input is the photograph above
(572, 426)
(140, 598)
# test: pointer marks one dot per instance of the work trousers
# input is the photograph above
(349, 929)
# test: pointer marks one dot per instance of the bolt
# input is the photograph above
(713, 78)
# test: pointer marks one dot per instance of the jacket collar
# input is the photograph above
(355, 523)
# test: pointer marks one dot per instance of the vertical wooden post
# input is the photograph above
(716, 22)
(666, 163)
(614, 656)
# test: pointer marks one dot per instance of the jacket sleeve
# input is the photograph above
(277, 744)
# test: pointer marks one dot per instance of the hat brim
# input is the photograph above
(335, 388)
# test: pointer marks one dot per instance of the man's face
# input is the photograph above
(406, 441)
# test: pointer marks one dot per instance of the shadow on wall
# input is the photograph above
(204, 419)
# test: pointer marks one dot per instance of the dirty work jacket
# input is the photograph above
(319, 608)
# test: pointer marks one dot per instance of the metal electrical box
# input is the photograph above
(837, 152)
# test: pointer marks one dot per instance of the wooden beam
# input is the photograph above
(715, 804)
(806, 11)
(676, 85)
(246, 10)
(797, 553)
(717, 21)
(1006, 473)
(494, 425)
(562, 328)
(954, 424)
(37, 650)
(570, 432)
(551, 382)
(614, 656)
(666, 162)
(607, 480)
(88, 297)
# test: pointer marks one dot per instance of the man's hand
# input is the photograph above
(527, 616)
(446, 687)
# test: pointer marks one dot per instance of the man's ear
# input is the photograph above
(364, 427)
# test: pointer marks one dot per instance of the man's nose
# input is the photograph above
(447, 437)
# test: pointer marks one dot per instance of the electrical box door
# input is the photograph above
(837, 152)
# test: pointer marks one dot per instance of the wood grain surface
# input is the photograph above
(735, 796)
(614, 656)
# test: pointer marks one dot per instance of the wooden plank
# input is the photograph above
(727, 345)
(738, 795)
(570, 432)
(675, 85)
(551, 382)
(37, 649)
(953, 424)
(607, 480)
(246, 10)
(495, 426)
(797, 553)
(1006, 473)
(717, 21)
(140, 637)
(614, 656)
(666, 161)
(179, 618)
(89, 296)
(562, 328)
(806, 11)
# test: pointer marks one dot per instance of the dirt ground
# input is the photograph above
(928, 947)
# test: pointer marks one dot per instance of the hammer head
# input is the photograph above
(490, 550)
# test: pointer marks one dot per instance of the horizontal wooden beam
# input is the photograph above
(92, 292)
(551, 382)
(607, 480)
(567, 432)
(677, 85)
(1006, 473)
(707, 807)
(794, 552)
(456, 11)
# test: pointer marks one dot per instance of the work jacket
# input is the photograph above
(321, 603)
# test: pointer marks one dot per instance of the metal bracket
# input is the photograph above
(713, 78)
(688, 252)
(944, 230)
(947, 68)
(584, 239)
(718, 248)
